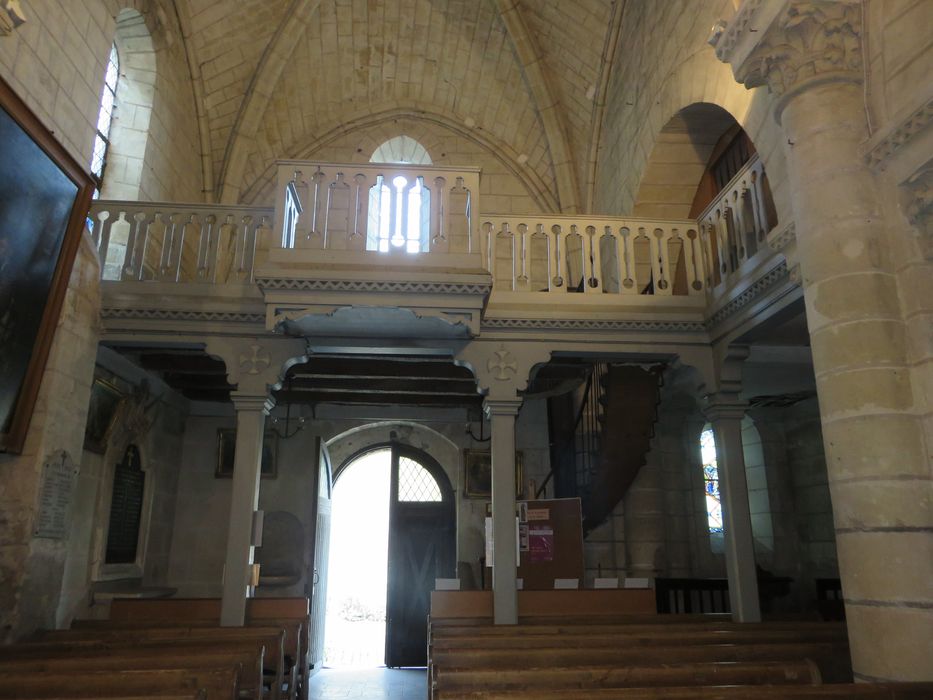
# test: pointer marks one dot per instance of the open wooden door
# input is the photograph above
(321, 539)
(421, 548)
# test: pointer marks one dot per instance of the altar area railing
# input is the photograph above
(374, 213)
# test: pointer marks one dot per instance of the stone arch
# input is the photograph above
(401, 149)
(259, 189)
(679, 159)
(699, 78)
(345, 446)
(135, 92)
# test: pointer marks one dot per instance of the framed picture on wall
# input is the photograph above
(477, 468)
(105, 401)
(44, 199)
(226, 448)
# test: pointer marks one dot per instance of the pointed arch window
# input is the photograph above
(105, 119)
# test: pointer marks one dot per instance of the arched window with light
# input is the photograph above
(711, 492)
(105, 119)
(399, 205)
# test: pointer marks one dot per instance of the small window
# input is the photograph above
(126, 507)
(711, 482)
(400, 208)
(105, 119)
(415, 483)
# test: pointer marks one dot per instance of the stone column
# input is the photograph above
(256, 366)
(725, 413)
(502, 371)
(810, 56)
(251, 412)
(501, 416)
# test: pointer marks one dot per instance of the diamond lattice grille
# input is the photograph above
(415, 483)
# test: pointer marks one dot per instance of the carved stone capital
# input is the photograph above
(792, 45)
(256, 365)
(918, 205)
(502, 369)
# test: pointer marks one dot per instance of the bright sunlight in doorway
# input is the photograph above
(356, 590)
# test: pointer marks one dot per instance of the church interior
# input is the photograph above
(645, 286)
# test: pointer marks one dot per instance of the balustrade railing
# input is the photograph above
(734, 226)
(179, 242)
(593, 255)
(425, 209)
(377, 207)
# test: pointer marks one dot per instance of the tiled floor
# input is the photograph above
(369, 684)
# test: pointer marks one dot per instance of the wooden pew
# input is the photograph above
(850, 691)
(278, 665)
(190, 611)
(247, 660)
(216, 684)
(588, 677)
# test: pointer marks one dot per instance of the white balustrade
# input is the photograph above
(179, 242)
(593, 255)
(734, 226)
(376, 207)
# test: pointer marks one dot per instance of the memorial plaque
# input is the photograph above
(58, 480)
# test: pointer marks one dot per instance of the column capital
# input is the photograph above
(252, 402)
(257, 364)
(724, 406)
(502, 407)
(501, 368)
(792, 45)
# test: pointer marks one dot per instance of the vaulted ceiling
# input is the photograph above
(280, 76)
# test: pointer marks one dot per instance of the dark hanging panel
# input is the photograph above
(126, 509)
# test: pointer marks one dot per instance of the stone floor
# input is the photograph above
(369, 684)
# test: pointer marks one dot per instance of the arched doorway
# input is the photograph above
(393, 532)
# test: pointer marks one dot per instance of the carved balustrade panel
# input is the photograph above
(590, 255)
(172, 242)
(376, 207)
(734, 225)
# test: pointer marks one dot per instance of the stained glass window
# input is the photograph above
(415, 483)
(104, 118)
(711, 481)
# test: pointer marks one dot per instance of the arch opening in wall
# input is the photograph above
(399, 206)
(129, 85)
(392, 534)
(705, 167)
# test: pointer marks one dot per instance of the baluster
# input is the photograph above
(758, 203)
(178, 244)
(207, 248)
(438, 223)
(591, 283)
(627, 261)
(316, 196)
(360, 211)
(558, 279)
(693, 262)
(486, 249)
(523, 248)
(137, 246)
(102, 225)
(658, 245)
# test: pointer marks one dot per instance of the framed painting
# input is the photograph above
(477, 467)
(44, 199)
(105, 400)
(226, 453)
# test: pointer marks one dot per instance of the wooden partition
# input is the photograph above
(543, 604)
